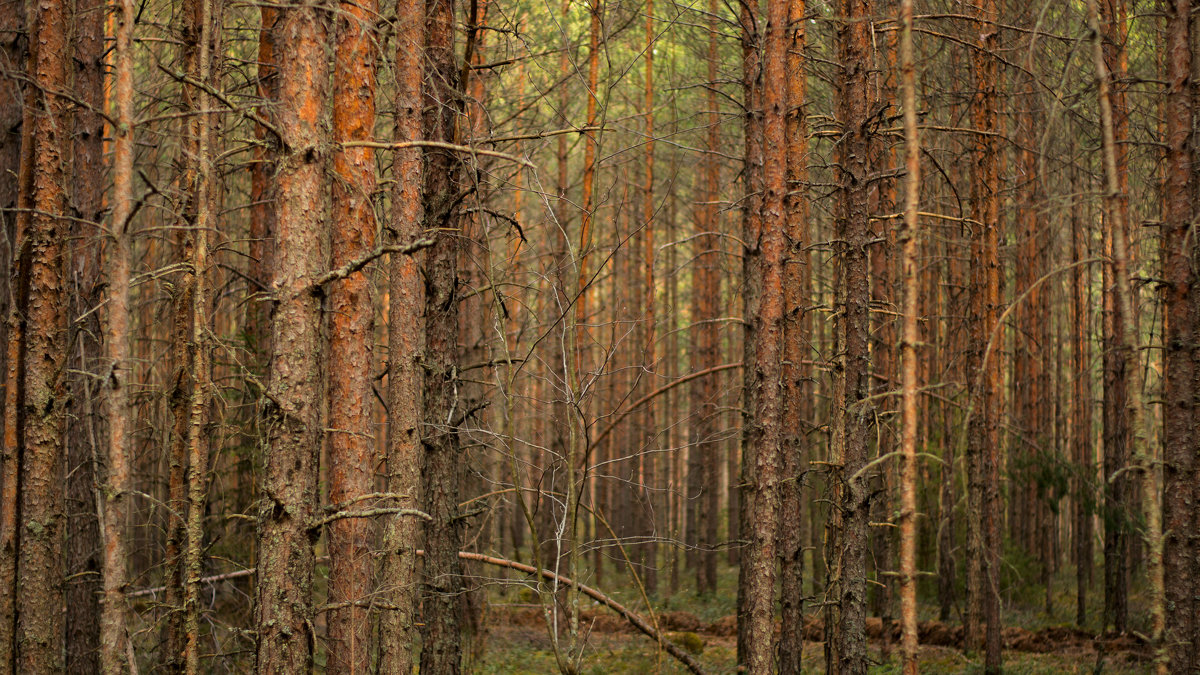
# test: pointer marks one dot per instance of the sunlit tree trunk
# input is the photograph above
(351, 337)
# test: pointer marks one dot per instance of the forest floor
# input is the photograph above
(1035, 642)
(518, 642)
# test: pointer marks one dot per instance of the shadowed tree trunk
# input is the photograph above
(40, 557)
(846, 649)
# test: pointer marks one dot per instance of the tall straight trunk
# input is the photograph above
(1178, 256)
(441, 649)
(351, 335)
(204, 19)
(649, 489)
(17, 108)
(262, 211)
(1117, 482)
(797, 409)
(910, 245)
(402, 535)
(704, 468)
(852, 415)
(762, 432)
(115, 650)
(752, 176)
(39, 564)
(84, 290)
(293, 420)
(1081, 414)
(983, 438)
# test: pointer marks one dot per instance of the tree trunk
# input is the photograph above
(1178, 256)
(351, 336)
(406, 332)
(293, 415)
(797, 392)
(983, 370)
(442, 473)
(853, 412)
(84, 292)
(39, 565)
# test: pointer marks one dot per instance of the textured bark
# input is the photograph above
(293, 409)
(984, 377)
(1178, 256)
(115, 650)
(1117, 483)
(85, 430)
(908, 348)
(204, 21)
(762, 432)
(40, 558)
(406, 327)
(441, 649)
(351, 334)
(18, 117)
(752, 175)
(797, 392)
(846, 649)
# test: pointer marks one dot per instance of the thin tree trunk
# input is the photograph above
(203, 16)
(797, 407)
(10, 469)
(1171, 630)
(293, 415)
(351, 336)
(115, 650)
(649, 434)
(910, 244)
(852, 414)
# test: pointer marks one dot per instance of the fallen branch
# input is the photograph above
(637, 621)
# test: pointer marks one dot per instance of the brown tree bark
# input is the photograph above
(351, 336)
(846, 650)
(762, 431)
(84, 292)
(704, 448)
(441, 650)
(40, 557)
(1117, 483)
(293, 408)
(983, 369)
(406, 331)
(1081, 414)
(910, 245)
(115, 649)
(797, 408)
(1178, 257)
(17, 108)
